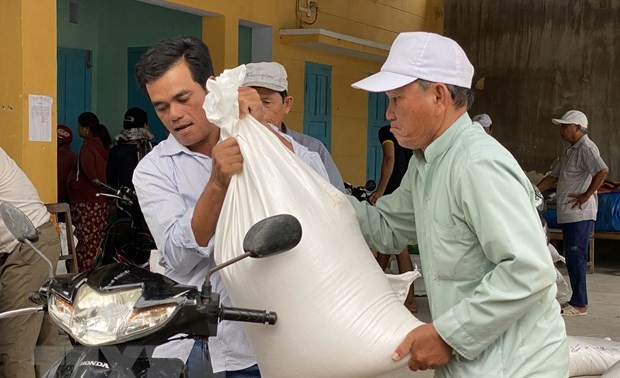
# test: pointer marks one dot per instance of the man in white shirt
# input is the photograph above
(182, 183)
(22, 272)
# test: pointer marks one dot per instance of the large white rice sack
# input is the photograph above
(591, 355)
(337, 314)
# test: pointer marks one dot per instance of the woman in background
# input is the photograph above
(89, 211)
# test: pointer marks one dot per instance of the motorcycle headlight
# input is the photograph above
(100, 318)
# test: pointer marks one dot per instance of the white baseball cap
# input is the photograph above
(483, 119)
(572, 117)
(419, 55)
(270, 75)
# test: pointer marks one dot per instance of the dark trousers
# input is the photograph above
(22, 272)
(576, 238)
(199, 363)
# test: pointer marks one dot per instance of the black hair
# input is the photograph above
(461, 96)
(91, 122)
(159, 58)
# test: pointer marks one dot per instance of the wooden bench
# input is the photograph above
(556, 234)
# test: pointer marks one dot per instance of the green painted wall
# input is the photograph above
(83, 36)
(108, 28)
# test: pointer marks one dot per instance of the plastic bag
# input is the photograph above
(337, 314)
(565, 292)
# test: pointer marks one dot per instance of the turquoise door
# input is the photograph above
(245, 45)
(135, 96)
(318, 102)
(377, 105)
(74, 88)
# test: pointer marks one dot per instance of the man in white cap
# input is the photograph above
(485, 121)
(470, 208)
(579, 172)
(270, 80)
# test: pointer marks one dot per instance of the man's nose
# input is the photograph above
(389, 112)
(176, 112)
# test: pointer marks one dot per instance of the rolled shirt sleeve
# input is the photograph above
(168, 213)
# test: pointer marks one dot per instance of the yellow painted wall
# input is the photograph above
(374, 20)
(28, 66)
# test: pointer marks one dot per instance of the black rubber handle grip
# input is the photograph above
(248, 315)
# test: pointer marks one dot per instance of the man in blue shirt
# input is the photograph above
(271, 82)
(181, 184)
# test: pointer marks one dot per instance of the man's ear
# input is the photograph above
(442, 97)
(288, 104)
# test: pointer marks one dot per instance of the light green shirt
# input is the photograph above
(488, 273)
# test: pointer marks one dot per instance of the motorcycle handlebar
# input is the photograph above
(123, 193)
(248, 315)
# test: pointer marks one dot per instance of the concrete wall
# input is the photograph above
(535, 60)
(28, 66)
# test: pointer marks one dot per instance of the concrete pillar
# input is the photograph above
(221, 34)
(28, 66)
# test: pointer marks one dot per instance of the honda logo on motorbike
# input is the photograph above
(95, 363)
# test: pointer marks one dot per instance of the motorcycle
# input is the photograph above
(362, 193)
(119, 313)
(127, 239)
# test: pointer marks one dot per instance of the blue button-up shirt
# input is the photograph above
(169, 181)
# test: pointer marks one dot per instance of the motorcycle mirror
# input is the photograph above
(272, 236)
(18, 223)
(23, 230)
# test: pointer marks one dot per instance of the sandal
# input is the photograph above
(573, 311)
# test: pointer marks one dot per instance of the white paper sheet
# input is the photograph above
(40, 117)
